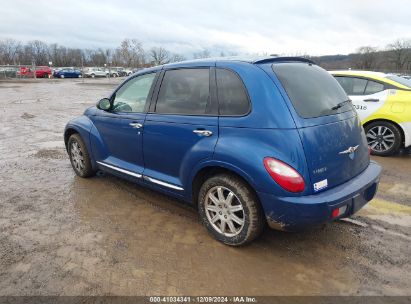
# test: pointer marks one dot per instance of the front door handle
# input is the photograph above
(136, 125)
(372, 100)
(203, 132)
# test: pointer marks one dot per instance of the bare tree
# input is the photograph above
(38, 51)
(366, 58)
(97, 58)
(400, 53)
(9, 51)
(159, 55)
(130, 53)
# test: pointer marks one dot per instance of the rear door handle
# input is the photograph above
(203, 132)
(372, 100)
(136, 125)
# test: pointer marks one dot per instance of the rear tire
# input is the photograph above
(230, 210)
(383, 137)
(79, 156)
(62, 76)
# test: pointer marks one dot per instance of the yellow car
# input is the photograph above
(383, 103)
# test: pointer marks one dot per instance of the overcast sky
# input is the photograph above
(316, 27)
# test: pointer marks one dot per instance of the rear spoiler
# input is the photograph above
(283, 59)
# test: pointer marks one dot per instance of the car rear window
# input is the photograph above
(312, 90)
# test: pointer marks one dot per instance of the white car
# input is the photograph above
(96, 72)
(383, 103)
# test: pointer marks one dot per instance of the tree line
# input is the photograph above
(394, 57)
(130, 53)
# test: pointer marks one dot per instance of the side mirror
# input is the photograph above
(104, 104)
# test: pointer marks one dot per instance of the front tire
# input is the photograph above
(230, 210)
(79, 156)
(383, 137)
(61, 76)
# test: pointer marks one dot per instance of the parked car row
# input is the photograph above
(105, 72)
(71, 72)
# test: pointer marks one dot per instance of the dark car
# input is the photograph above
(121, 72)
(67, 73)
(247, 142)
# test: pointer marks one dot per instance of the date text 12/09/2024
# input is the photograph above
(202, 299)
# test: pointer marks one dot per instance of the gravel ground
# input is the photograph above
(63, 235)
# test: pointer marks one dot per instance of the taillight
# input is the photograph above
(338, 211)
(284, 175)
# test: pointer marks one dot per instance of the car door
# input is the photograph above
(120, 130)
(181, 129)
(367, 95)
(68, 73)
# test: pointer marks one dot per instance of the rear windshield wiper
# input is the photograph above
(339, 105)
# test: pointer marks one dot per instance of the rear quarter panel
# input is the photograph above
(246, 148)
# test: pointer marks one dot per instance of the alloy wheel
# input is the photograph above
(224, 211)
(77, 157)
(380, 138)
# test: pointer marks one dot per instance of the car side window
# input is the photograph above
(185, 91)
(132, 96)
(231, 94)
(352, 85)
(373, 87)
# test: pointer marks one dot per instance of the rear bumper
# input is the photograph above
(293, 213)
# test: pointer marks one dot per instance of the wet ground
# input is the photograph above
(63, 235)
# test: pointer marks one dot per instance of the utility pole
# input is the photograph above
(33, 66)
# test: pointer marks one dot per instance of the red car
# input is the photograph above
(41, 72)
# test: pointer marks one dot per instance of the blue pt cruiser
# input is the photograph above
(249, 142)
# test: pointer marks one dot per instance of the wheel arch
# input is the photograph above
(67, 133)
(368, 122)
(203, 173)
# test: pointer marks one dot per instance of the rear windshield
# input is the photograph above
(401, 80)
(311, 89)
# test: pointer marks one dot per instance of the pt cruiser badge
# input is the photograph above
(350, 151)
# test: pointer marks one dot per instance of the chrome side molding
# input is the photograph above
(159, 182)
(147, 178)
(121, 170)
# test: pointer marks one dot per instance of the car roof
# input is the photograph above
(359, 73)
(246, 59)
